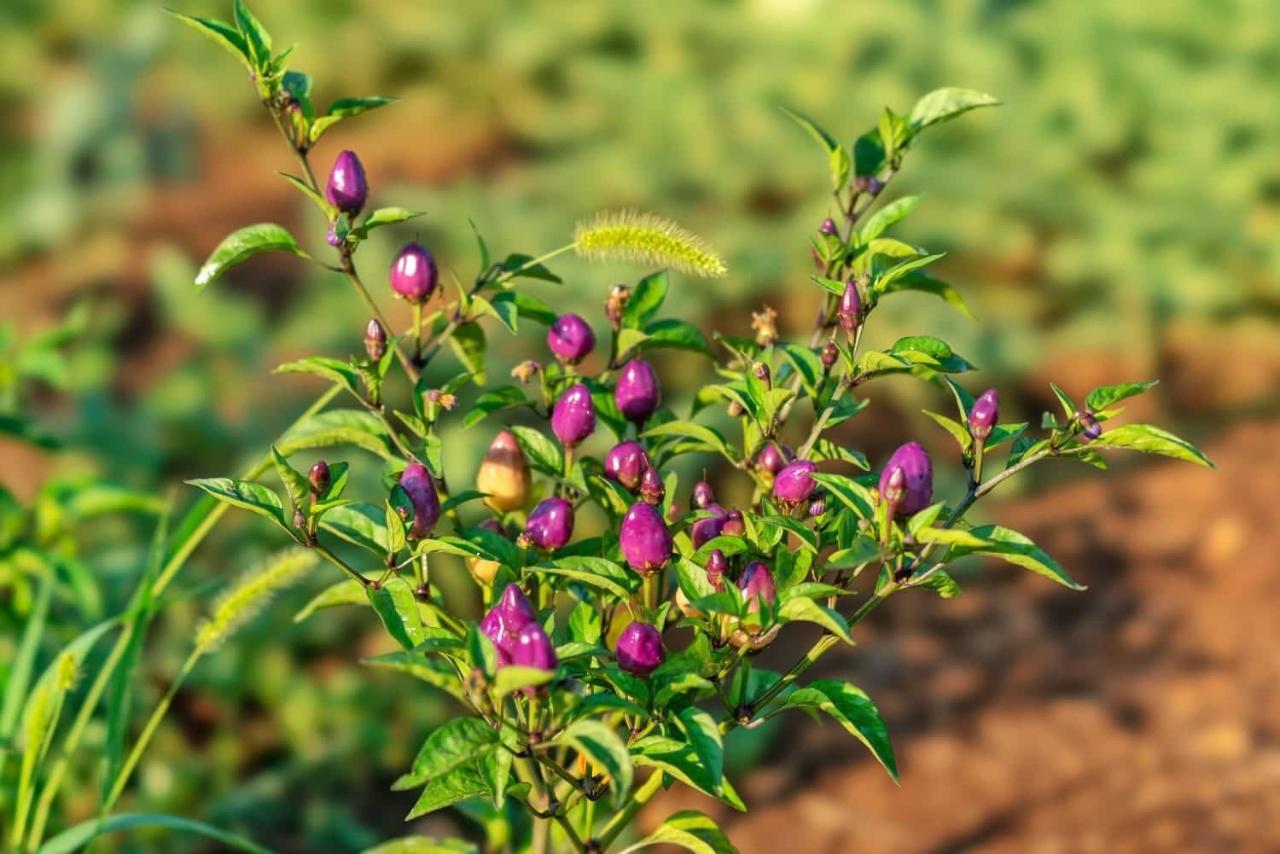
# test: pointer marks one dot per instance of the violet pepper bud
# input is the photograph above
(708, 528)
(984, 414)
(910, 489)
(761, 372)
(828, 227)
(570, 338)
(414, 273)
(482, 569)
(850, 307)
(756, 584)
(703, 495)
(574, 416)
(829, 355)
(645, 541)
(733, 524)
(319, 478)
(347, 189)
(1091, 428)
(793, 484)
(773, 458)
(375, 340)
(550, 524)
(639, 649)
(533, 649)
(504, 474)
(717, 566)
(651, 489)
(421, 489)
(637, 392)
(626, 464)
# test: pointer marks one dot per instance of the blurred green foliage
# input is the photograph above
(1125, 199)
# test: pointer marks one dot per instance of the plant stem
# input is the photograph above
(621, 819)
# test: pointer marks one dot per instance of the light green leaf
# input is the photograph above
(512, 678)
(690, 830)
(1016, 548)
(602, 746)
(809, 611)
(888, 216)
(78, 837)
(458, 784)
(1104, 397)
(223, 33)
(645, 300)
(243, 244)
(244, 494)
(544, 454)
(353, 427)
(853, 709)
(943, 104)
(1149, 439)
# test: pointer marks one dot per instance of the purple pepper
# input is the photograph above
(828, 227)
(533, 648)
(550, 524)
(421, 489)
(515, 609)
(757, 584)
(818, 506)
(626, 463)
(1092, 429)
(829, 354)
(637, 392)
(734, 526)
(708, 528)
(850, 307)
(910, 490)
(347, 189)
(414, 273)
(331, 237)
(773, 458)
(574, 416)
(570, 338)
(984, 414)
(639, 649)
(375, 340)
(703, 495)
(794, 484)
(493, 629)
(717, 566)
(651, 488)
(319, 478)
(646, 543)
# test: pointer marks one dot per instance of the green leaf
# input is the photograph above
(298, 487)
(679, 334)
(424, 845)
(222, 33)
(1016, 548)
(942, 584)
(853, 709)
(468, 344)
(918, 280)
(943, 104)
(1064, 400)
(820, 136)
(345, 108)
(679, 759)
(458, 741)
(805, 362)
(1104, 397)
(244, 494)
(809, 611)
(933, 353)
(849, 492)
(78, 837)
(430, 670)
(602, 746)
(527, 306)
(544, 454)
(512, 678)
(23, 664)
(255, 35)
(494, 400)
(645, 300)
(354, 427)
(885, 280)
(690, 830)
(704, 437)
(957, 430)
(398, 608)
(889, 215)
(334, 370)
(243, 244)
(360, 523)
(458, 784)
(704, 736)
(303, 187)
(1149, 439)
(595, 571)
(345, 592)
(384, 216)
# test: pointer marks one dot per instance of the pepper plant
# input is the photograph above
(617, 657)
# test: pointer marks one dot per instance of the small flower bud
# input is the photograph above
(331, 237)
(794, 484)
(619, 295)
(550, 524)
(703, 495)
(347, 189)
(574, 416)
(504, 474)
(421, 489)
(526, 370)
(984, 414)
(626, 464)
(651, 489)
(760, 371)
(773, 457)
(533, 649)
(850, 307)
(828, 227)
(570, 338)
(765, 325)
(645, 541)
(733, 524)
(639, 649)
(829, 355)
(414, 273)
(299, 519)
(1090, 427)
(637, 392)
(907, 480)
(319, 478)
(375, 340)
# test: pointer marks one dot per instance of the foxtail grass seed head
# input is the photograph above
(984, 414)
(375, 340)
(414, 273)
(504, 474)
(347, 189)
(250, 594)
(647, 240)
(574, 417)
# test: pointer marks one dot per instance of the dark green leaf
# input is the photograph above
(645, 300)
(853, 709)
(458, 741)
(602, 746)
(1104, 397)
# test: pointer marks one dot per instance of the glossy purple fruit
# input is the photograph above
(984, 414)
(421, 489)
(496, 631)
(912, 490)
(414, 273)
(850, 307)
(772, 458)
(651, 488)
(717, 566)
(1091, 428)
(347, 189)
(319, 478)
(533, 649)
(733, 524)
(550, 524)
(637, 392)
(708, 528)
(645, 541)
(639, 649)
(574, 416)
(757, 584)
(570, 338)
(829, 355)
(703, 495)
(626, 464)
(794, 483)
(375, 340)
(515, 609)
(828, 226)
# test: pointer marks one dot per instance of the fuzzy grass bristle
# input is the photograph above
(250, 594)
(646, 239)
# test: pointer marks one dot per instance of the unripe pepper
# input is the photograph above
(319, 479)
(645, 541)
(1091, 428)
(984, 414)
(418, 485)
(375, 340)
(637, 392)
(708, 528)
(850, 307)
(533, 649)
(773, 458)
(756, 586)
(504, 474)
(347, 189)
(414, 273)
(574, 416)
(703, 495)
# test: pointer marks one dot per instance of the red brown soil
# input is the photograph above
(1140, 715)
